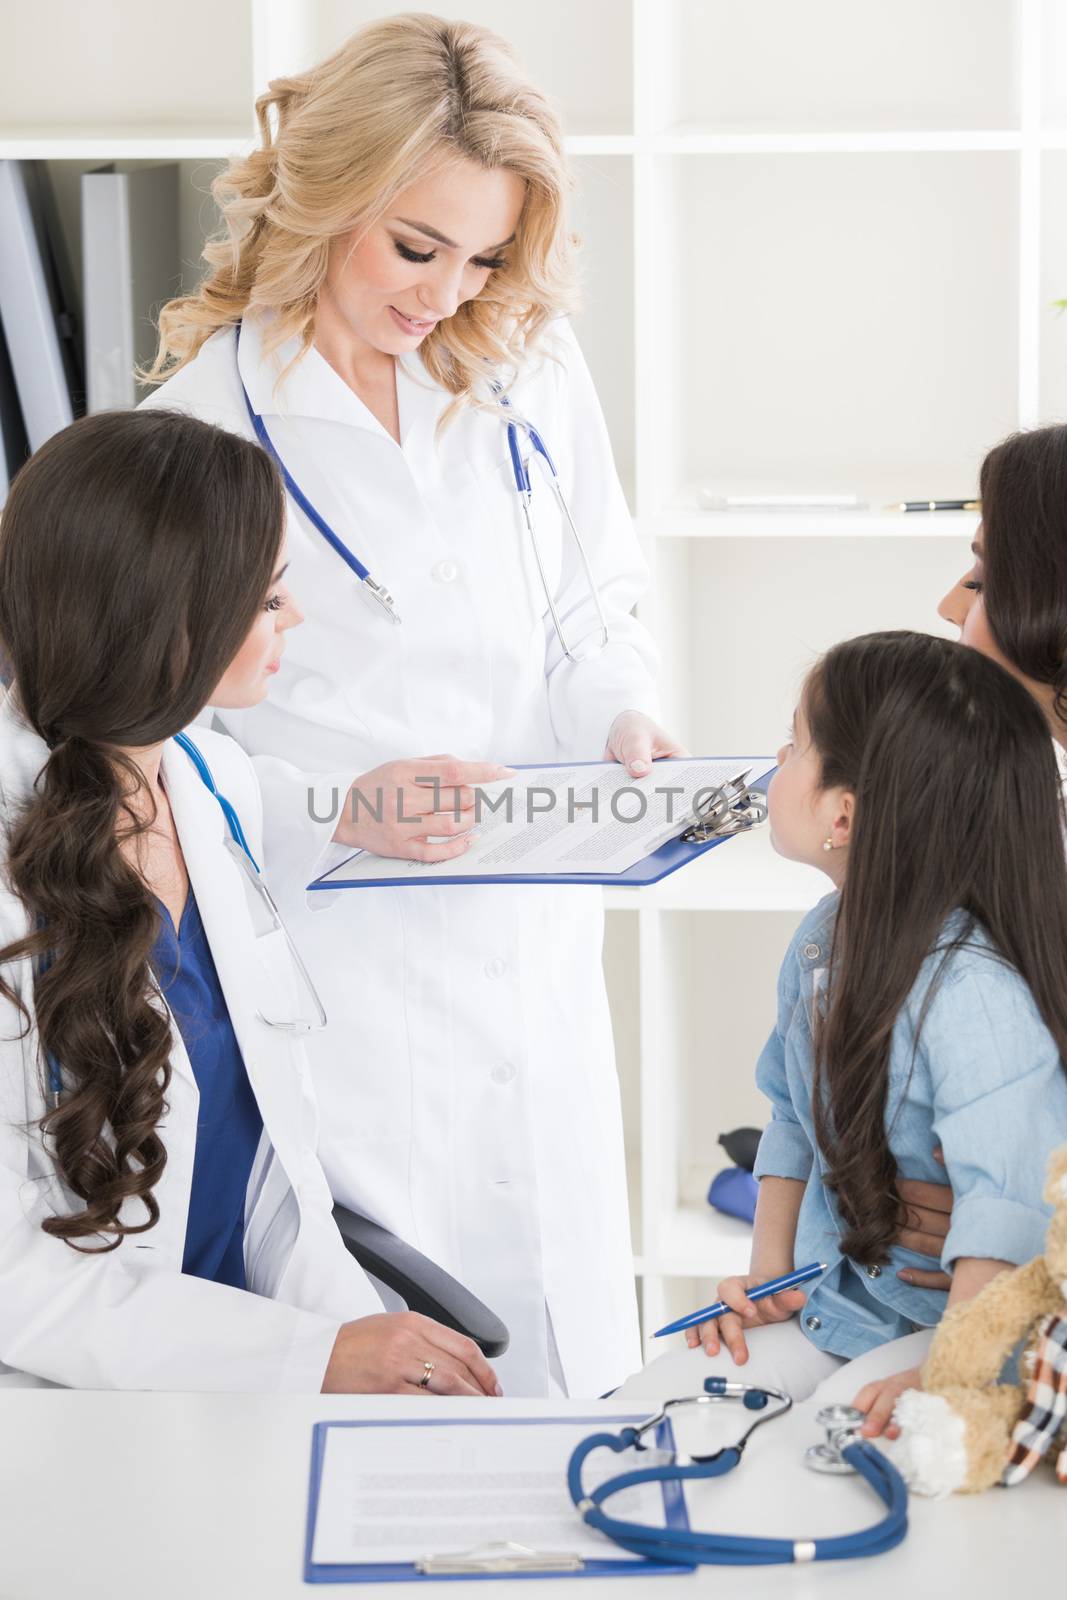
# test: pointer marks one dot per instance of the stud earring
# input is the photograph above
(828, 843)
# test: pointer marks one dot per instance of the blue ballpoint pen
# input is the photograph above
(772, 1286)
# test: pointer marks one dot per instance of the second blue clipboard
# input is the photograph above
(676, 853)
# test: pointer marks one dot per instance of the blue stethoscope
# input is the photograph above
(237, 845)
(379, 595)
(843, 1451)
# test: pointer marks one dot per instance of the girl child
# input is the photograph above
(165, 1223)
(922, 1002)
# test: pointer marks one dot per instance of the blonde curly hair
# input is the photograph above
(399, 98)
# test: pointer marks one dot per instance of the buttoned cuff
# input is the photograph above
(784, 1152)
(994, 1230)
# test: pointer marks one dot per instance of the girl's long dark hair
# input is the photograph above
(1024, 545)
(136, 549)
(957, 807)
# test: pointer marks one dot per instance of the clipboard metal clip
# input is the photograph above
(503, 1558)
(733, 808)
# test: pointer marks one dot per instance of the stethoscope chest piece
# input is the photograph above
(842, 1425)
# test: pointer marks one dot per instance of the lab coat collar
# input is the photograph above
(311, 388)
(218, 883)
(248, 986)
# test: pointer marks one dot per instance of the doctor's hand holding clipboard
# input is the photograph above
(388, 322)
(424, 810)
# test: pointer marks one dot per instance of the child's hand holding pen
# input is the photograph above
(730, 1328)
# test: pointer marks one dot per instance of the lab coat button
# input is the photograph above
(812, 952)
(445, 572)
(873, 1271)
(503, 1072)
(813, 1323)
(496, 968)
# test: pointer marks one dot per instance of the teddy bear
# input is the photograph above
(964, 1431)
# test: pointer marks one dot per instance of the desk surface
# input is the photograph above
(110, 1495)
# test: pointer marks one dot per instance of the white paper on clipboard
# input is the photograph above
(400, 1494)
(550, 826)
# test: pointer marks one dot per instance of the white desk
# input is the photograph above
(203, 1497)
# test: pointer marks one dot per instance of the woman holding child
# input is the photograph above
(923, 1003)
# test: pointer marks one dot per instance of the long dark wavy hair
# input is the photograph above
(1024, 544)
(136, 549)
(957, 808)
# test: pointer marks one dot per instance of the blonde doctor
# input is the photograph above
(165, 1223)
(396, 258)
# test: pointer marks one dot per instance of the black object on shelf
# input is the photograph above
(741, 1145)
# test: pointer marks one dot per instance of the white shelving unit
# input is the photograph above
(822, 244)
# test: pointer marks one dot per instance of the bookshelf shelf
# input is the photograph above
(120, 144)
(783, 524)
(695, 141)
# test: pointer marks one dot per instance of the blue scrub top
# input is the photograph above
(229, 1124)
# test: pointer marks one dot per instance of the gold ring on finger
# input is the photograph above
(427, 1374)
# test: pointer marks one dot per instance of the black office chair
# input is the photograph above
(421, 1283)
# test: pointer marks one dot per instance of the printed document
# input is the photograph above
(400, 1494)
(570, 819)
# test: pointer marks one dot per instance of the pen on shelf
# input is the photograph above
(773, 1286)
(710, 501)
(935, 505)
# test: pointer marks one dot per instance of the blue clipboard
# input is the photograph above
(674, 1510)
(660, 864)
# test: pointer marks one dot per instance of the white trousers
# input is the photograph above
(781, 1357)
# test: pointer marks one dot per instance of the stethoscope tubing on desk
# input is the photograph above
(650, 1543)
(692, 1548)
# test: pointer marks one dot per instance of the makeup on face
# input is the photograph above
(960, 601)
(391, 285)
(246, 679)
(964, 606)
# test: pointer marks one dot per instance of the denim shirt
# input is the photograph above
(986, 1082)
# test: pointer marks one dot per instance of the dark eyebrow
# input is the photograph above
(976, 549)
(449, 244)
(280, 574)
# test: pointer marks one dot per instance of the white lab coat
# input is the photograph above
(131, 1319)
(467, 1080)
